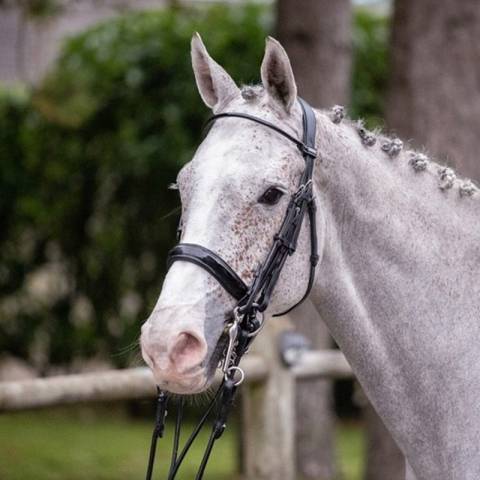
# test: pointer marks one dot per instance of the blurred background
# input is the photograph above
(99, 110)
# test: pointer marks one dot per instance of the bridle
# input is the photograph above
(252, 300)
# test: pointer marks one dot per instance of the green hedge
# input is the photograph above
(84, 174)
(84, 169)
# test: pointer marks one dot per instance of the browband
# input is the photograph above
(304, 147)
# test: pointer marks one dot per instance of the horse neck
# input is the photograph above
(399, 288)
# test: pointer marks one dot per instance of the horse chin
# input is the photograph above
(191, 386)
(197, 381)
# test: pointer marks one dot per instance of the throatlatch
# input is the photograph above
(247, 316)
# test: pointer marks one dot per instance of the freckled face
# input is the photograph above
(221, 191)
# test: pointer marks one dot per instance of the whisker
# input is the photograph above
(136, 360)
(127, 348)
(172, 212)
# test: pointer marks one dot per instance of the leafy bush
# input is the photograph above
(86, 213)
(86, 218)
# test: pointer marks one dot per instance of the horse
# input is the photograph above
(397, 281)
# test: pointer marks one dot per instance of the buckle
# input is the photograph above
(304, 192)
(232, 331)
(310, 151)
(285, 242)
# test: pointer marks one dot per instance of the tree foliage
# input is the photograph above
(370, 66)
(86, 215)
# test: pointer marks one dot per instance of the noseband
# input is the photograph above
(252, 300)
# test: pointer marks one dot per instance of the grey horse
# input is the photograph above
(398, 282)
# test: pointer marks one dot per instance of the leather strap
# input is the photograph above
(309, 154)
(212, 263)
(309, 128)
(302, 146)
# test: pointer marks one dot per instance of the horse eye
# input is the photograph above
(271, 196)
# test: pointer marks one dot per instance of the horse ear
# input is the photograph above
(277, 74)
(215, 85)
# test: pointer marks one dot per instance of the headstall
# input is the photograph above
(252, 301)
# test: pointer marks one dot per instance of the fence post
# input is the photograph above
(268, 413)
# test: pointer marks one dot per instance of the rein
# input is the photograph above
(252, 300)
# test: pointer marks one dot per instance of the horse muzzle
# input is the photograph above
(178, 360)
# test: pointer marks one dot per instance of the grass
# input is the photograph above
(350, 451)
(75, 444)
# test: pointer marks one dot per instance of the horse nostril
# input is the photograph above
(187, 352)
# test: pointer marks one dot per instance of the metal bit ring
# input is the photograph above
(234, 370)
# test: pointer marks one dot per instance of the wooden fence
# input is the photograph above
(268, 398)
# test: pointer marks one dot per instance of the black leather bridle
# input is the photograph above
(252, 300)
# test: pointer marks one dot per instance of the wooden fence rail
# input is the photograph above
(135, 383)
(128, 384)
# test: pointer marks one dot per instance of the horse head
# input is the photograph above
(234, 195)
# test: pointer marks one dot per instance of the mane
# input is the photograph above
(394, 149)
(391, 147)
